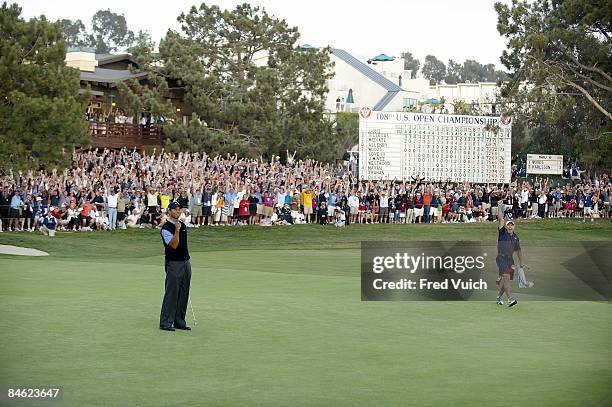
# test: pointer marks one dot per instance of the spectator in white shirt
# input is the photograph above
(353, 202)
(195, 205)
(524, 200)
(384, 206)
(280, 198)
(542, 200)
(112, 198)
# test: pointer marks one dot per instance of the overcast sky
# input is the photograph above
(448, 29)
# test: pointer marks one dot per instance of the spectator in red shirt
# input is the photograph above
(418, 208)
(427, 195)
(86, 219)
(445, 209)
(268, 202)
(55, 212)
(572, 208)
(243, 210)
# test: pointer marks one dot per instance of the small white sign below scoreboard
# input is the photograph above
(438, 147)
(544, 164)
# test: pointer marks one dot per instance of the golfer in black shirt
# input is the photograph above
(178, 271)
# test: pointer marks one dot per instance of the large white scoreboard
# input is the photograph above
(438, 147)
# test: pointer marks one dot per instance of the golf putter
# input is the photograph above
(195, 322)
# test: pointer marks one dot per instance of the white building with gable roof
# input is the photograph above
(382, 84)
(357, 84)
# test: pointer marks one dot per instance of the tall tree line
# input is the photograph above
(109, 33)
(452, 72)
(41, 111)
(559, 55)
(252, 89)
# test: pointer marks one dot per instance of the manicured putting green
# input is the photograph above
(280, 322)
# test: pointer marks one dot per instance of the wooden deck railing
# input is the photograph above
(117, 135)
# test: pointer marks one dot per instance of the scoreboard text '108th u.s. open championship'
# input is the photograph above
(438, 147)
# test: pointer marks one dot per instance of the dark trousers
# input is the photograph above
(542, 210)
(152, 214)
(174, 306)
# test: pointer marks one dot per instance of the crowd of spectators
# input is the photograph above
(570, 170)
(100, 122)
(108, 189)
(118, 116)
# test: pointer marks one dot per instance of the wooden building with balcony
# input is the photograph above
(102, 73)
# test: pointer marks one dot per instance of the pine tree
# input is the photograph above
(42, 113)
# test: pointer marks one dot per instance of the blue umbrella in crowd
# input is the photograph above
(305, 47)
(382, 58)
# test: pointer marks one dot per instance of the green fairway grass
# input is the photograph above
(281, 323)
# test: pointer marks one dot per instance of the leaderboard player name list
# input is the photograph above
(426, 284)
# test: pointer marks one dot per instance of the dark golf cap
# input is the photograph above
(174, 204)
